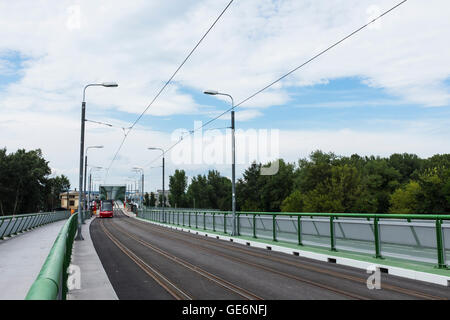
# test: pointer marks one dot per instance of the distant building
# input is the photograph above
(159, 193)
(73, 200)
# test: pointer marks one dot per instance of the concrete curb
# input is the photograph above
(395, 271)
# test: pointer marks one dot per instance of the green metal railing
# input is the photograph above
(266, 225)
(13, 225)
(51, 283)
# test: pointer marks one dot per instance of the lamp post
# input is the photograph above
(164, 192)
(142, 184)
(83, 118)
(233, 158)
(85, 174)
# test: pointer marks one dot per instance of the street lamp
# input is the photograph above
(142, 184)
(83, 118)
(164, 193)
(233, 158)
(85, 173)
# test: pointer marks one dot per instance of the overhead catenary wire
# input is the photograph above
(284, 76)
(165, 85)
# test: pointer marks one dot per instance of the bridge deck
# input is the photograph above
(145, 261)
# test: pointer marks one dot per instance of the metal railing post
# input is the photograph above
(332, 236)
(204, 220)
(376, 231)
(214, 221)
(274, 227)
(238, 224)
(440, 245)
(299, 231)
(254, 226)
(224, 222)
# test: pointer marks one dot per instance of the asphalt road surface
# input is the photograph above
(145, 261)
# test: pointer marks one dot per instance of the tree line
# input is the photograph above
(326, 182)
(26, 185)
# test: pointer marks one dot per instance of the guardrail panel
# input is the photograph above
(264, 226)
(355, 235)
(11, 225)
(408, 240)
(245, 225)
(287, 229)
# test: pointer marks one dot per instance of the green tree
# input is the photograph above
(162, 200)
(152, 201)
(313, 171)
(23, 179)
(294, 202)
(379, 181)
(53, 188)
(339, 193)
(146, 199)
(177, 186)
(406, 164)
(406, 199)
(219, 191)
(275, 188)
(435, 187)
(248, 188)
(197, 193)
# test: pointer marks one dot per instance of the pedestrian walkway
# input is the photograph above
(21, 259)
(95, 284)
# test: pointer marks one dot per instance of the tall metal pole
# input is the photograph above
(89, 194)
(163, 188)
(164, 193)
(84, 187)
(233, 175)
(233, 160)
(80, 189)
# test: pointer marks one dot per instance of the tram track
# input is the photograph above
(165, 283)
(208, 275)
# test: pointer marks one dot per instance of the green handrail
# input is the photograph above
(51, 283)
(327, 214)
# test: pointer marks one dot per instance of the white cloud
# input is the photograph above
(139, 44)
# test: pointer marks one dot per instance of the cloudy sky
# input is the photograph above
(384, 90)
